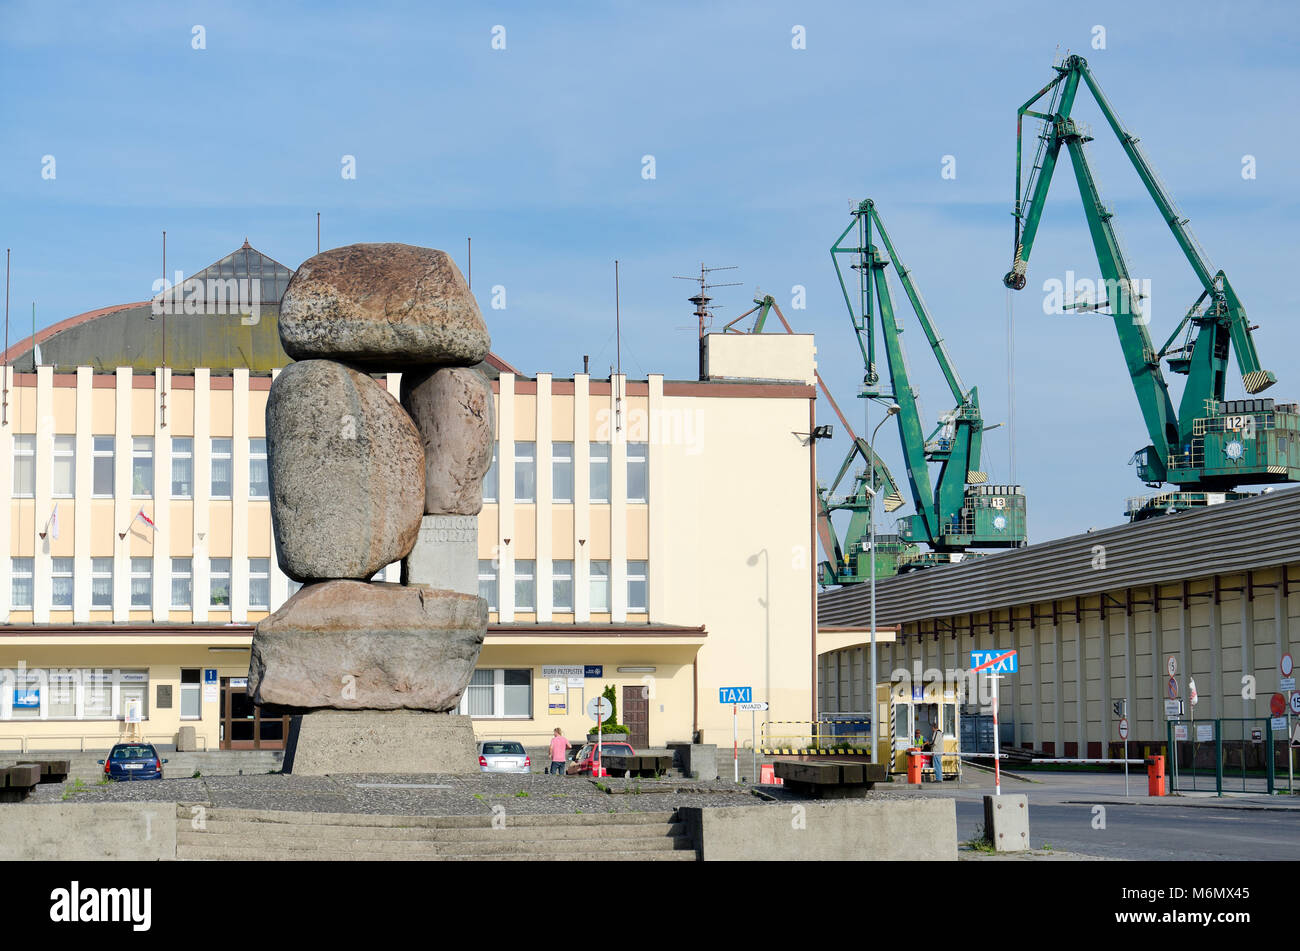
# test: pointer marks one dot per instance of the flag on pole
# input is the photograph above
(146, 519)
(52, 526)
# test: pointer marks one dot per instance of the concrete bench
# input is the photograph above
(17, 782)
(830, 779)
(52, 770)
(643, 764)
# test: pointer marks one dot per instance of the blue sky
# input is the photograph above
(536, 152)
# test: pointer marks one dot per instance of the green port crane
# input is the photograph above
(957, 510)
(1208, 445)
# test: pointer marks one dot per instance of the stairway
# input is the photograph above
(244, 834)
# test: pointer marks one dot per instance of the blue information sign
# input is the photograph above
(210, 675)
(735, 695)
(1007, 661)
(593, 670)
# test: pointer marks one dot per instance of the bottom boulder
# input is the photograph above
(356, 645)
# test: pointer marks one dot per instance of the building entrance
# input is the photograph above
(245, 726)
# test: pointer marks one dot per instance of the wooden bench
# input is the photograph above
(17, 782)
(830, 779)
(52, 770)
(641, 764)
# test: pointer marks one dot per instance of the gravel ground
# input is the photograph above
(410, 795)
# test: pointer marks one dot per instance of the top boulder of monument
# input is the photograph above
(384, 307)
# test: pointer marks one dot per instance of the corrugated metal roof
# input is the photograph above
(1250, 534)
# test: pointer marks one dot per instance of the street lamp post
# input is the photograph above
(871, 692)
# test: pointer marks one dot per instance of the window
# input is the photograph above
(25, 467)
(636, 587)
(525, 472)
(142, 467)
(259, 480)
(219, 581)
(638, 471)
(562, 585)
(562, 471)
(97, 697)
(132, 685)
(61, 583)
(64, 474)
(259, 584)
(101, 582)
(141, 582)
(487, 582)
(525, 584)
(27, 689)
(499, 693)
(20, 590)
(183, 468)
(600, 472)
(293, 586)
(221, 468)
(600, 587)
(490, 480)
(182, 583)
(191, 693)
(62, 703)
(102, 462)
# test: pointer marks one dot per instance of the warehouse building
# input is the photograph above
(624, 540)
(1211, 595)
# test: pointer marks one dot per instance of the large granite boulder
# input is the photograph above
(382, 306)
(347, 472)
(350, 645)
(452, 408)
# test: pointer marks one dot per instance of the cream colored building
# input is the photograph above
(655, 534)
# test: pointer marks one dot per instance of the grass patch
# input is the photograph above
(77, 786)
(196, 775)
(522, 794)
(979, 843)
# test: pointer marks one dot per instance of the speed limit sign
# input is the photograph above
(1123, 729)
(1295, 704)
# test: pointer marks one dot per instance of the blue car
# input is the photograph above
(131, 761)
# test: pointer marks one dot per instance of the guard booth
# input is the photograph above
(904, 708)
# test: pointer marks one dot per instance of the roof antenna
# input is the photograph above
(469, 263)
(318, 232)
(702, 301)
(162, 406)
(4, 409)
(618, 356)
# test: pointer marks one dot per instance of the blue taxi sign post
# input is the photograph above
(996, 662)
(735, 696)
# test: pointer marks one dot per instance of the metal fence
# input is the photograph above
(1222, 755)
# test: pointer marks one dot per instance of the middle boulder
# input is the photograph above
(346, 472)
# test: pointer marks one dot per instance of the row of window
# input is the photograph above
(64, 467)
(62, 582)
(71, 694)
(638, 472)
(562, 585)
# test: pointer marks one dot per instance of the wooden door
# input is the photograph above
(636, 716)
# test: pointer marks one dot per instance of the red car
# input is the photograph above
(581, 765)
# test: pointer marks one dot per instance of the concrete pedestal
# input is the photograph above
(380, 741)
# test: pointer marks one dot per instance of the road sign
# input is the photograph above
(1295, 736)
(1277, 705)
(1287, 665)
(735, 694)
(1204, 732)
(1172, 666)
(599, 709)
(1257, 736)
(1173, 689)
(1123, 729)
(1173, 709)
(755, 705)
(1286, 683)
(996, 661)
(1295, 704)
(1279, 723)
(1180, 731)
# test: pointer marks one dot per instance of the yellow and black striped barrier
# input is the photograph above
(812, 741)
(796, 751)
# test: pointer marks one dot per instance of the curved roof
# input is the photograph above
(224, 317)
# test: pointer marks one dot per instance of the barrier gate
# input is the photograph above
(1233, 755)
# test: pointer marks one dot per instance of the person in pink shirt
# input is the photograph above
(559, 753)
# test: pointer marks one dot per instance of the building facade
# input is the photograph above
(651, 536)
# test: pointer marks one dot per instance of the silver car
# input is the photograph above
(503, 756)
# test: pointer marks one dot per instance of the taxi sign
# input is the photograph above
(996, 661)
(735, 695)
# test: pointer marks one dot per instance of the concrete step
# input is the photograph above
(409, 833)
(506, 844)
(283, 817)
(219, 853)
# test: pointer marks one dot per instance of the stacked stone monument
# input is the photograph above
(359, 481)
